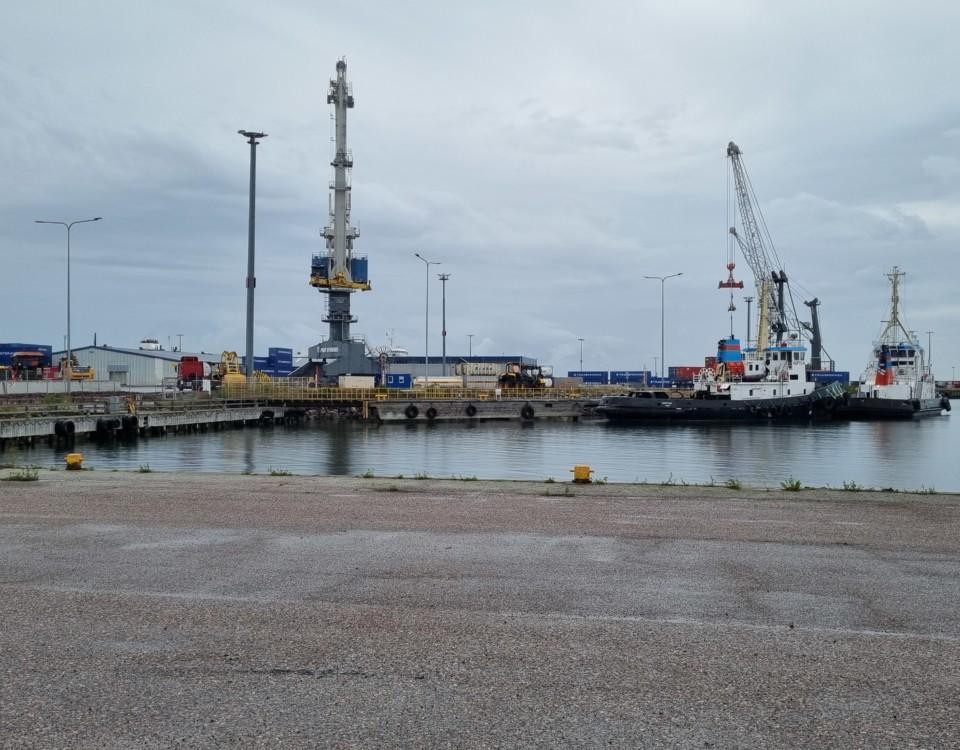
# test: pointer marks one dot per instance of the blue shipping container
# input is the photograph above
(618, 377)
(399, 380)
(591, 377)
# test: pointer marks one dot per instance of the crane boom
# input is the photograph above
(768, 278)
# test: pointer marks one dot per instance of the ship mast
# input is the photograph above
(895, 324)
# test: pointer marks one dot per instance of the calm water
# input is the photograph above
(902, 455)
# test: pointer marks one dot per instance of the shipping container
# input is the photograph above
(356, 381)
(590, 377)
(478, 368)
(8, 350)
(620, 377)
(683, 372)
(443, 381)
(399, 380)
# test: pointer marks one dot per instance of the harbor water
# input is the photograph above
(909, 455)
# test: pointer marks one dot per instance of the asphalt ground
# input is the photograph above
(160, 610)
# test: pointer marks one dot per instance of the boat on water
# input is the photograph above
(897, 382)
(769, 385)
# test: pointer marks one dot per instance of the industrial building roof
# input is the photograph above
(171, 356)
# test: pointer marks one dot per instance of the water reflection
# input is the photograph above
(904, 455)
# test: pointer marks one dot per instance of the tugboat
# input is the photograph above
(767, 386)
(761, 384)
(897, 382)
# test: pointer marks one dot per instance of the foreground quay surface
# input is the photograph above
(156, 610)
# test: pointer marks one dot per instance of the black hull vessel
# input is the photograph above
(651, 406)
(891, 408)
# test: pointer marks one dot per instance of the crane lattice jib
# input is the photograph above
(751, 242)
(755, 250)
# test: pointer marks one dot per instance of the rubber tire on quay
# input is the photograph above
(70, 427)
(431, 413)
(471, 410)
(411, 412)
(829, 402)
(527, 412)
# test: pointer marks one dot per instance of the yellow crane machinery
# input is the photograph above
(230, 373)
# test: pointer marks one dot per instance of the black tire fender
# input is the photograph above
(527, 411)
(431, 413)
(411, 412)
(471, 410)
(829, 402)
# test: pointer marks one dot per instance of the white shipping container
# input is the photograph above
(355, 381)
(445, 381)
(478, 368)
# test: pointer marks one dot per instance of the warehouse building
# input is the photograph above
(133, 367)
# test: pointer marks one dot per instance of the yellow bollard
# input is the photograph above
(581, 474)
(74, 461)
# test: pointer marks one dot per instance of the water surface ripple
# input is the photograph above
(901, 455)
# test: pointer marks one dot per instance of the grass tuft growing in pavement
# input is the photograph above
(23, 475)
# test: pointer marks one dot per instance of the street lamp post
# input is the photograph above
(662, 280)
(68, 373)
(581, 353)
(426, 321)
(252, 139)
(443, 336)
(470, 344)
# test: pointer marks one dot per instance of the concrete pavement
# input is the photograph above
(160, 610)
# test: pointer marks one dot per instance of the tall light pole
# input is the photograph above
(251, 278)
(662, 280)
(443, 281)
(426, 321)
(470, 344)
(581, 353)
(179, 342)
(68, 373)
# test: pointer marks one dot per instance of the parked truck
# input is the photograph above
(191, 372)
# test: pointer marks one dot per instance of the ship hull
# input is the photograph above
(634, 408)
(890, 408)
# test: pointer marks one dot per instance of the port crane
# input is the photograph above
(775, 320)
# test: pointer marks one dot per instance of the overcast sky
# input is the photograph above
(549, 154)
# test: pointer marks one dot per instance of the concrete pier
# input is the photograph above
(153, 610)
(67, 425)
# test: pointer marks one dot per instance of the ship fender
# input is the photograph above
(471, 410)
(431, 413)
(945, 403)
(527, 412)
(829, 402)
(411, 412)
(916, 405)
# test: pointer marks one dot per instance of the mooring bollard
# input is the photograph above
(74, 461)
(581, 474)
